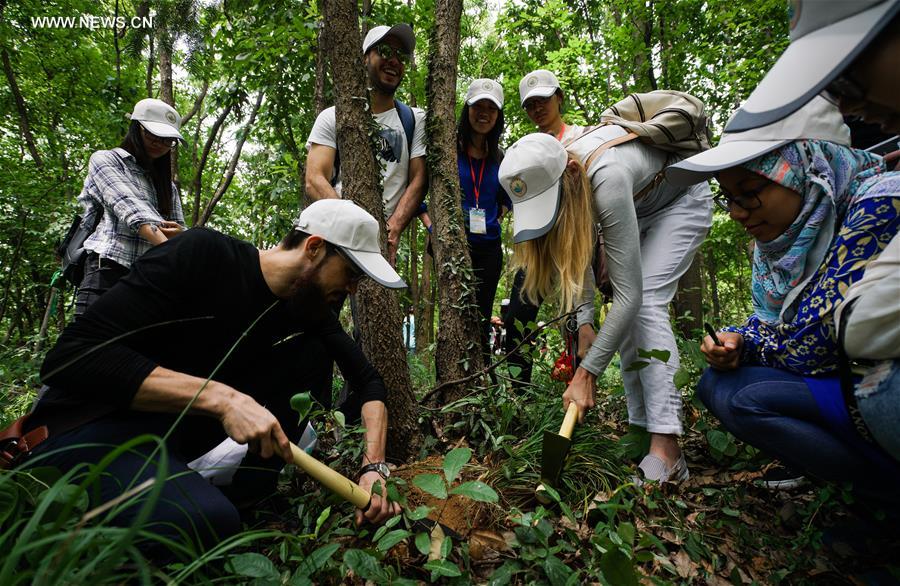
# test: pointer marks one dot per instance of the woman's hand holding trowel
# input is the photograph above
(582, 391)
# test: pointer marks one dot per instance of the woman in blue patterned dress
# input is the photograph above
(819, 211)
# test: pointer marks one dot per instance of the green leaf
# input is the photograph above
(617, 568)
(362, 564)
(557, 572)
(423, 543)
(323, 516)
(454, 462)
(432, 484)
(626, 531)
(317, 559)
(477, 491)
(503, 574)
(301, 403)
(252, 565)
(661, 355)
(420, 513)
(443, 568)
(637, 365)
(392, 539)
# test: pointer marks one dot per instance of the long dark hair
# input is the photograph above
(464, 135)
(160, 169)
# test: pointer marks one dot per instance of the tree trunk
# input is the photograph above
(379, 316)
(321, 72)
(712, 274)
(198, 174)
(22, 109)
(232, 165)
(151, 63)
(425, 306)
(689, 300)
(458, 351)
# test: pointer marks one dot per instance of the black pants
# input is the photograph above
(99, 277)
(190, 508)
(525, 313)
(487, 264)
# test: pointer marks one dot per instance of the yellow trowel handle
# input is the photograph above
(568, 424)
(331, 479)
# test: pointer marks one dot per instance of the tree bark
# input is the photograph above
(321, 72)
(379, 316)
(689, 299)
(151, 63)
(459, 351)
(232, 165)
(712, 271)
(22, 109)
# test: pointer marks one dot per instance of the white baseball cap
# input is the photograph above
(826, 36)
(159, 118)
(540, 83)
(402, 31)
(352, 229)
(819, 119)
(531, 174)
(485, 89)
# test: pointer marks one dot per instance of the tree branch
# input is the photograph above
(24, 126)
(198, 176)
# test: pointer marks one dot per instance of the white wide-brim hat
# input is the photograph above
(351, 228)
(826, 36)
(819, 119)
(531, 173)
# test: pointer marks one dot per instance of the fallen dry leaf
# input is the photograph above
(683, 565)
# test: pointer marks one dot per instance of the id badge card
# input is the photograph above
(477, 221)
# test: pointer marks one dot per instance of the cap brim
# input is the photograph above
(809, 64)
(485, 96)
(161, 130)
(541, 91)
(704, 165)
(376, 267)
(403, 32)
(534, 217)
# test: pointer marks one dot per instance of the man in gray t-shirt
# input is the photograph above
(386, 50)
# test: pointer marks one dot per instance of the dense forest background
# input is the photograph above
(249, 78)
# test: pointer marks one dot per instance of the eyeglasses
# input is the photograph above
(356, 273)
(844, 86)
(158, 140)
(387, 53)
(533, 103)
(749, 201)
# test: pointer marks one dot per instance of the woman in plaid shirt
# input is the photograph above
(131, 188)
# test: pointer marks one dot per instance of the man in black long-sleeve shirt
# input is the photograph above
(255, 323)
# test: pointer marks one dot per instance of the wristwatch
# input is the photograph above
(380, 467)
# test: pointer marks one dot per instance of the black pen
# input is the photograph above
(712, 333)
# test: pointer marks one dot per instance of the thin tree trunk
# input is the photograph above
(379, 316)
(13, 266)
(321, 71)
(689, 299)
(118, 55)
(458, 351)
(22, 109)
(165, 75)
(232, 165)
(198, 103)
(425, 305)
(151, 63)
(712, 274)
(45, 322)
(198, 174)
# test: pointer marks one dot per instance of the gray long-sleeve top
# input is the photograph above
(616, 175)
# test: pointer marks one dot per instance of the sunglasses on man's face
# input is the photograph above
(387, 53)
(356, 273)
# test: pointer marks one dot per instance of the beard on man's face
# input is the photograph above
(377, 84)
(309, 304)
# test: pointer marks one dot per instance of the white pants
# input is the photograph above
(669, 240)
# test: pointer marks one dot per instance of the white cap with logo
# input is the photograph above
(351, 228)
(826, 36)
(485, 89)
(531, 174)
(159, 118)
(403, 32)
(819, 119)
(540, 83)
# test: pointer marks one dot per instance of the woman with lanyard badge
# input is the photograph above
(131, 186)
(483, 200)
(650, 242)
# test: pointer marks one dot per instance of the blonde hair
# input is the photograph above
(556, 261)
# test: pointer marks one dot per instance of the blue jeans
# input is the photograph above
(775, 411)
(880, 409)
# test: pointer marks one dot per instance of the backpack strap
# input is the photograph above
(606, 146)
(408, 121)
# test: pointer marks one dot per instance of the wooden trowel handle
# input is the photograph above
(568, 424)
(331, 479)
